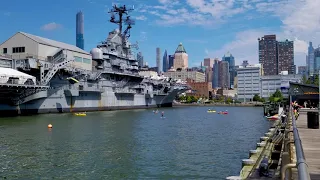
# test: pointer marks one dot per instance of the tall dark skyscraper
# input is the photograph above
(285, 57)
(276, 56)
(268, 54)
(165, 62)
(232, 67)
(79, 30)
(224, 75)
(215, 79)
(310, 60)
(171, 59)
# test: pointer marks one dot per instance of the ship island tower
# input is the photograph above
(79, 30)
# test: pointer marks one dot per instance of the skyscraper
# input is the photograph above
(268, 54)
(232, 67)
(208, 62)
(285, 57)
(180, 58)
(79, 30)
(224, 75)
(140, 59)
(158, 61)
(276, 56)
(310, 60)
(215, 79)
(171, 61)
(316, 60)
(165, 62)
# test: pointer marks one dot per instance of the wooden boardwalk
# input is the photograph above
(311, 145)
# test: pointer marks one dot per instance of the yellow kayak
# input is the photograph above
(80, 114)
(211, 111)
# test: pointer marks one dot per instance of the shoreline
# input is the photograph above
(230, 105)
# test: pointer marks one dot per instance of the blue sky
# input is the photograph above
(206, 28)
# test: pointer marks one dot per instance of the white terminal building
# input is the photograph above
(248, 81)
(251, 82)
(23, 46)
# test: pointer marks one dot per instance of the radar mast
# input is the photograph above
(120, 12)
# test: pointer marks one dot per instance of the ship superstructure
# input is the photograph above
(58, 77)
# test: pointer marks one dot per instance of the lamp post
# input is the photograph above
(319, 93)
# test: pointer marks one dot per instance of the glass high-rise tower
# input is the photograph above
(165, 62)
(79, 30)
(232, 67)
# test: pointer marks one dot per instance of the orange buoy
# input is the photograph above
(49, 125)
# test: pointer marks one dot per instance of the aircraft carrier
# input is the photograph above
(34, 85)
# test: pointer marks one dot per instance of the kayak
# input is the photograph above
(275, 117)
(80, 114)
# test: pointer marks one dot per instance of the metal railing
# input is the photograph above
(301, 165)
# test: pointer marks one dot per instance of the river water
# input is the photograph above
(188, 143)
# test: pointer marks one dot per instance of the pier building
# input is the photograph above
(23, 46)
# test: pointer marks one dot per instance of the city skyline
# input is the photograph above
(156, 21)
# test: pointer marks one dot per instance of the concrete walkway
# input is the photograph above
(311, 145)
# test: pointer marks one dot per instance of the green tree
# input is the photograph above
(188, 99)
(271, 98)
(312, 80)
(229, 100)
(304, 79)
(221, 99)
(193, 99)
(276, 96)
(182, 98)
(256, 97)
(316, 80)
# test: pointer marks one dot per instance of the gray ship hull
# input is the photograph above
(59, 103)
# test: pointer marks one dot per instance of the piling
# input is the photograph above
(263, 148)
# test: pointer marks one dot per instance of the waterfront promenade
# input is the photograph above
(310, 139)
(310, 142)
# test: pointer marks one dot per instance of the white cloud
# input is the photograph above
(141, 18)
(216, 8)
(244, 47)
(143, 36)
(300, 23)
(206, 13)
(51, 26)
(169, 2)
(300, 46)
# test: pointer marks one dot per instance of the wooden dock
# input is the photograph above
(311, 145)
